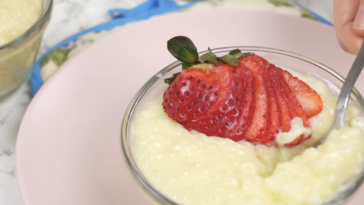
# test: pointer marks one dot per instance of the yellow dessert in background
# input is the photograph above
(16, 17)
(16, 60)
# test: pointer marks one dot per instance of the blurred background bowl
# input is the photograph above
(18, 56)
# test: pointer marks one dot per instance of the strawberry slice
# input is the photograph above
(275, 114)
(191, 93)
(296, 106)
(309, 99)
(283, 103)
(257, 132)
(220, 118)
(206, 98)
(246, 107)
(274, 123)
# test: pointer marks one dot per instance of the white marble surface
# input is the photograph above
(69, 17)
(11, 112)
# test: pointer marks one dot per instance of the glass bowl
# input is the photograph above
(18, 56)
(155, 86)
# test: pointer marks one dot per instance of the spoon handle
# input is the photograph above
(342, 102)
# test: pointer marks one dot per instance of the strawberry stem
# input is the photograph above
(171, 79)
(184, 50)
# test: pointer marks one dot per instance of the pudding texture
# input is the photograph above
(16, 17)
(191, 168)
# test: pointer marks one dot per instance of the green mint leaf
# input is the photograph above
(171, 79)
(183, 49)
(209, 57)
(186, 65)
(235, 51)
(229, 59)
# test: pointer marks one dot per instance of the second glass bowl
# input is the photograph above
(18, 56)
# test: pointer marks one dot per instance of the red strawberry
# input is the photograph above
(210, 99)
(283, 103)
(220, 117)
(246, 98)
(246, 107)
(191, 93)
(275, 123)
(309, 99)
(296, 106)
(257, 132)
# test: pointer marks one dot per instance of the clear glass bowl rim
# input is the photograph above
(45, 16)
(141, 180)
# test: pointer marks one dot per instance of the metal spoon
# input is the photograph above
(340, 119)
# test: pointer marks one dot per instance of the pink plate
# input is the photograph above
(68, 150)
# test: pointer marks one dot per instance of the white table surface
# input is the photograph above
(69, 17)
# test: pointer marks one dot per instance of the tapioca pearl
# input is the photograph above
(269, 156)
(358, 122)
(212, 147)
(343, 133)
(148, 159)
(154, 174)
(179, 133)
(309, 155)
(177, 147)
(322, 123)
(231, 181)
(352, 113)
(248, 169)
(142, 140)
(320, 87)
(194, 147)
(342, 141)
(329, 105)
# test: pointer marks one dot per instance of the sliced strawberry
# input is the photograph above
(257, 132)
(221, 117)
(240, 96)
(283, 103)
(275, 114)
(246, 105)
(297, 107)
(309, 99)
(252, 101)
(191, 93)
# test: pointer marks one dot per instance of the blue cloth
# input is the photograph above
(320, 18)
(119, 17)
